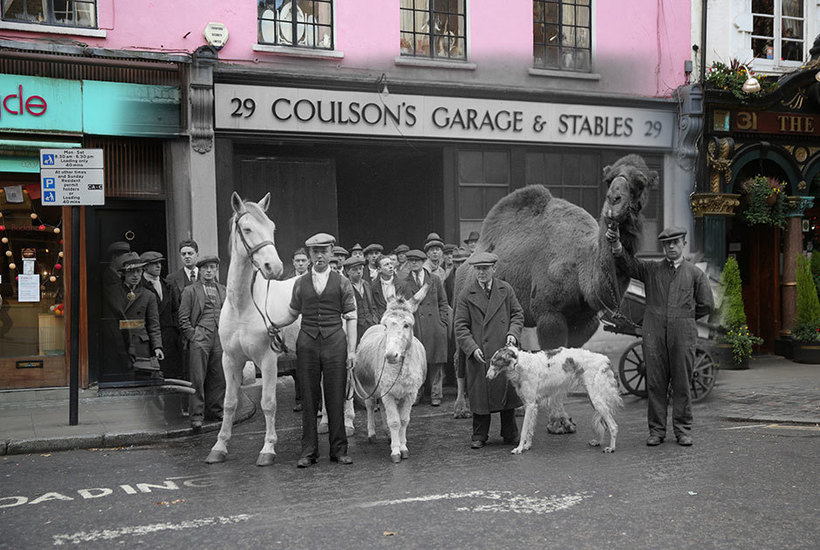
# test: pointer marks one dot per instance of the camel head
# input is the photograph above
(628, 182)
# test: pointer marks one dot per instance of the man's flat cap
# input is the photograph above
(401, 249)
(353, 261)
(130, 260)
(460, 255)
(207, 260)
(432, 237)
(473, 236)
(416, 255)
(118, 247)
(340, 251)
(450, 247)
(151, 256)
(430, 244)
(672, 233)
(373, 247)
(356, 247)
(483, 258)
(320, 239)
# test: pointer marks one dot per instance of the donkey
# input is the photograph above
(251, 319)
(391, 365)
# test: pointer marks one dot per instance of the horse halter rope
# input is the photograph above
(277, 344)
(357, 387)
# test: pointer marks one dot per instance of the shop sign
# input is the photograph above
(119, 109)
(40, 104)
(304, 110)
(767, 122)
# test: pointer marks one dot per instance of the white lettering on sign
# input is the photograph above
(72, 177)
(305, 110)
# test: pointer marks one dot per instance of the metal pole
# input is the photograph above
(74, 342)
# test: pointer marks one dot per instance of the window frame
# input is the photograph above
(433, 38)
(777, 37)
(562, 49)
(51, 20)
(282, 47)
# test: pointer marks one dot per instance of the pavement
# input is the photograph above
(772, 390)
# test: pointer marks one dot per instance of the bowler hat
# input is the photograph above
(483, 258)
(207, 260)
(340, 251)
(353, 261)
(118, 247)
(401, 249)
(416, 254)
(473, 236)
(672, 233)
(373, 247)
(320, 239)
(130, 260)
(151, 256)
(449, 248)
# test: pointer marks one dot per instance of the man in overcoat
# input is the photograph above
(432, 319)
(677, 293)
(488, 317)
(171, 365)
(198, 315)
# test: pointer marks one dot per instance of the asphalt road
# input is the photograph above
(740, 485)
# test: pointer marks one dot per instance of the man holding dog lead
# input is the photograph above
(677, 293)
(488, 317)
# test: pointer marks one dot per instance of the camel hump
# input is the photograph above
(531, 200)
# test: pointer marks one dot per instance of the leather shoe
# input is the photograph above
(344, 459)
(685, 440)
(305, 462)
(477, 444)
(297, 408)
(435, 402)
(196, 426)
(653, 440)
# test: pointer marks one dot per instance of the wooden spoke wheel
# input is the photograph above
(703, 375)
(632, 369)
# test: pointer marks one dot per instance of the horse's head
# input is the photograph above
(252, 232)
(628, 182)
(398, 323)
(502, 360)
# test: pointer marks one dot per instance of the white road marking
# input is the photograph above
(504, 501)
(140, 530)
(775, 427)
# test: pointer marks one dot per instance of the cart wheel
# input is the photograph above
(703, 375)
(632, 369)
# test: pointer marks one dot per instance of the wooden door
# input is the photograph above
(760, 274)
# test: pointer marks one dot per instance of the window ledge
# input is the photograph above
(563, 74)
(51, 29)
(408, 61)
(299, 52)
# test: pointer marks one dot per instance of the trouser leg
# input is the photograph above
(657, 384)
(197, 367)
(435, 376)
(334, 373)
(509, 429)
(308, 370)
(682, 361)
(481, 427)
(214, 382)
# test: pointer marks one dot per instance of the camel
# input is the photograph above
(558, 261)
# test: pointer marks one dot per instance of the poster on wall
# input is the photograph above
(28, 288)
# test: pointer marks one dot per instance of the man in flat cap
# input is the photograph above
(366, 316)
(401, 266)
(488, 317)
(198, 315)
(434, 248)
(171, 365)
(472, 240)
(384, 286)
(324, 351)
(372, 253)
(356, 251)
(677, 293)
(340, 253)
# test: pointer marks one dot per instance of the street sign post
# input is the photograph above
(73, 177)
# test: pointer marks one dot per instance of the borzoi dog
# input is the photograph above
(544, 374)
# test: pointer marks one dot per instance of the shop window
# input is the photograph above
(562, 34)
(300, 23)
(483, 178)
(778, 31)
(68, 13)
(434, 28)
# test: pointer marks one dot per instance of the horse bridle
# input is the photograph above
(357, 387)
(277, 344)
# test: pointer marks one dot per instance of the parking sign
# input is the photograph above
(72, 177)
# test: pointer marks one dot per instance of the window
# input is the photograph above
(309, 25)
(434, 28)
(778, 28)
(562, 34)
(68, 13)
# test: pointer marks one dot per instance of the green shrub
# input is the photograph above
(815, 269)
(733, 314)
(807, 320)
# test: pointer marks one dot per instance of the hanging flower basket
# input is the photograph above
(765, 201)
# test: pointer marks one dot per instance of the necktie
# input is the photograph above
(193, 275)
(418, 280)
(487, 290)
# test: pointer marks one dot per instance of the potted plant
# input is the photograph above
(765, 201)
(806, 329)
(733, 348)
(731, 78)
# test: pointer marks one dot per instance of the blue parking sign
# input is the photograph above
(48, 159)
(49, 196)
(49, 183)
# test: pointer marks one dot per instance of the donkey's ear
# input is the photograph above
(236, 202)
(419, 296)
(264, 203)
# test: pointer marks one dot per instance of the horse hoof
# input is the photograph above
(265, 459)
(371, 438)
(396, 458)
(405, 454)
(216, 457)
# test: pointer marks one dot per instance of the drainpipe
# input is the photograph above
(703, 41)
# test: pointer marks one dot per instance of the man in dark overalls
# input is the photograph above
(677, 293)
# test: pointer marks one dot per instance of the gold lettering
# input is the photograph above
(746, 120)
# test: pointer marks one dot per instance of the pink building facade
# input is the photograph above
(374, 120)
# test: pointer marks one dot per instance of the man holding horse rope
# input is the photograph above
(324, 351)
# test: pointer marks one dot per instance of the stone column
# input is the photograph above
(792, 246)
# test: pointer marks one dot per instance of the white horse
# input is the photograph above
(391, 365)
(253, 312)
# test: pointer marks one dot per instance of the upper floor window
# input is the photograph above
(778, 28)
(434, 28)
(562, 34)
(69, 13)
(303, 23)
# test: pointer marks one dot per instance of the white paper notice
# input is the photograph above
(28, 267)
(28, 288)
